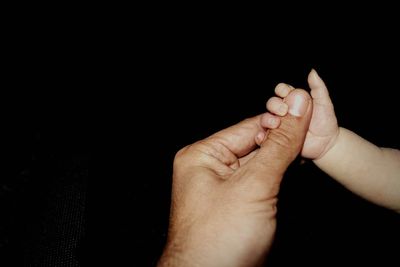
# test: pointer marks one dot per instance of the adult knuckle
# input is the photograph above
(189, 155)
(181, 155)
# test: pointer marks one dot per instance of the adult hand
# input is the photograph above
(225, 190)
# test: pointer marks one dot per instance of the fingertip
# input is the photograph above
(283, 89)
(270, 121)
(260, 136)
(314, 80)
(277, 106)
(313, 72)
(319, 91)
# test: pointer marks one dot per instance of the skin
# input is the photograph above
(370, 171)
(225, 190)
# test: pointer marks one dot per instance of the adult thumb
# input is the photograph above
(282, 145)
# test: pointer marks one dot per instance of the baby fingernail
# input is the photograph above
(283, 109)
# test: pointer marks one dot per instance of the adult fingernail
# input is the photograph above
(297, 105)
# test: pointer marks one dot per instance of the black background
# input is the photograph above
(156, 86)
(188, 82)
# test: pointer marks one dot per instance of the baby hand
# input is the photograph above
(323, 130)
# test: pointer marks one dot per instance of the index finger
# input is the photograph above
(239, 138)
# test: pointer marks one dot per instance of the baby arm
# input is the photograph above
(362, 167)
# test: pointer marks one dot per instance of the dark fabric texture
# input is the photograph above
(43, 197)
(56, 236)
